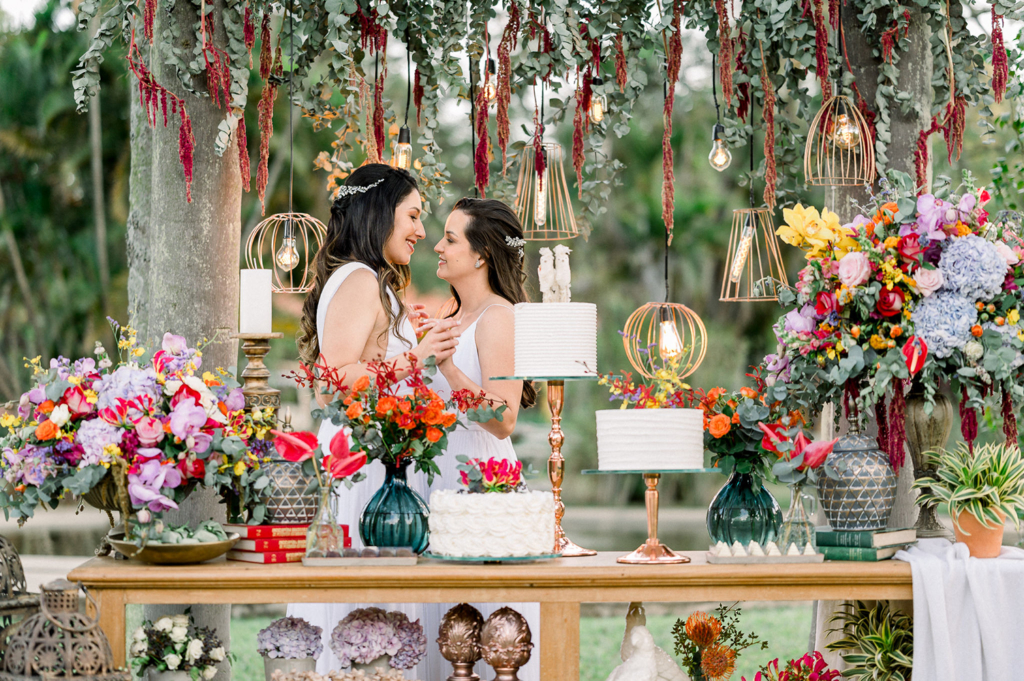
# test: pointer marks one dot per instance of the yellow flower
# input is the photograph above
(9, 421)
(831, 353)
(794, 231)
(74, 380)
(877, 342)
(1013, 316)
(1020, 335)
(239, 468)
(91, 397)
(891, 242)
(138, 352)
(112, 451)
(962, 229)
(839, 346)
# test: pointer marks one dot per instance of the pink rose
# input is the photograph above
(76, 401)
(929, 281)
(149, 431)
(1007, 253)
(854, 269)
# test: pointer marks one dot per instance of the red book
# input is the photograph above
(272, 531)
(268, 557)
(264, 545)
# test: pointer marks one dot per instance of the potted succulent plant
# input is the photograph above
(289, 644)
(877, 642)
(980, 489)
(174, 649)
(370, 638)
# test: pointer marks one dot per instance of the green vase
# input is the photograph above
(739, 513)
(396, 515)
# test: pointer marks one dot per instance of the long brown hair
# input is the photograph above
(361, 224)
(492, 224)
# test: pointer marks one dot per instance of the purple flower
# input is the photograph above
(36, 395)
(34, 474)
(145, 487)
(127, 383)
(235, 400)
(856, 226)
(290, 638)
(176, 345)
(931, 214)
(800, 321)
(93, 436)
(187, 419)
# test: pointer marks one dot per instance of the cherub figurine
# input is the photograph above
(562, 274)
(546, 274)
(642, 660)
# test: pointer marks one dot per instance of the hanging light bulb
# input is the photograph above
(598, 102)
(670, 345)
(403, 148)
(490, 83)
(288, 255)
(720, 156)
(540, 209)
(847, 134)
(739, 259)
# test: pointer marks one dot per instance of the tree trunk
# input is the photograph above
(98, 202)
(183, 257)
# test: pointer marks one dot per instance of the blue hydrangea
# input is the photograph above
(973, 268)
(291, 638)
(944, 321)
(127, 383)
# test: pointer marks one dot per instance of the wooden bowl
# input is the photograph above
(172, 554)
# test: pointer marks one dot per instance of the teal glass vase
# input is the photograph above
(740, 514)
(396, 516)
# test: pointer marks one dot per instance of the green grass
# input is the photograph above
(785, 627)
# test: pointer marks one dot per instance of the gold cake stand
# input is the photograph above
(556, 462)
(652, 551)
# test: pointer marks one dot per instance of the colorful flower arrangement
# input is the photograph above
(810, 667)
(154, 429)
(291, 638)
(368, 633)
(174, 643)
(665, 391)
(911, 293)
(708, 645)
(492, 475)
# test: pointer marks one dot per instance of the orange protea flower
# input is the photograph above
(703, 629)
(718, 662)
(719, 426)
(748, 392)
(386, 404)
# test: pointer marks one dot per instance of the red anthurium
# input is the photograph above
(771, 437)
(295, 446)
(342, 462)
(814, 453)
(915, 351)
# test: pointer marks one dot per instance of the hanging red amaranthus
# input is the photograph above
(953, 130)
(1009, 420)
(148, 17)
(540, 163)
(621, 74)
(821, 49)
(921, 153)
(673, 60)
(266, 56)
(373, 152)
(218, 75)
(725, 59)
(481, 162)
(968, 420)
(883, 426)
(891, 35)
(771, 176)
(543, 35)
(743, 95)
(862, 105)
(372, 34)
(585, 95)
(509, 39)
(417, 95)
(1000, 65)
(154, 99)
(249, 31)
(577, 140)
(378, 105)
(243, 153)
(833, 14)
(265, 109)
(897, 427)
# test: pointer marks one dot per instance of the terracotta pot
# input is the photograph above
(983, 541)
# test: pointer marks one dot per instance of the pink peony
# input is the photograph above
(929, 281)
(854, 269)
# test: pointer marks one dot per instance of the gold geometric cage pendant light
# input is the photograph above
(542, 201)
(754, 269)
(839, 151)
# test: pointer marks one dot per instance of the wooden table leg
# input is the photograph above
(112, 618)
(560, 641)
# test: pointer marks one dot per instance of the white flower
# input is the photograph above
(60, 415)
(179, 634)
(139, 648)
(178, 620)
(217, 654)
(1008, 255)
(172, 661)
(194, 650)
(139, 634)
(973, 350)
(209, 672)
(164, 624)
(105, 363)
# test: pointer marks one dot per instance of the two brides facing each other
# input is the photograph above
(355, 314)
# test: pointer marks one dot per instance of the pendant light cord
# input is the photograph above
(666, 93)
(714, 87)
(472, 124)
(291, 107)
(408, 76)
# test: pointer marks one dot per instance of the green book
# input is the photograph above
(858, 554)
(865, 539)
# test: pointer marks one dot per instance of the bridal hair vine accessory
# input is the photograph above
(516, 243)
(350, 189)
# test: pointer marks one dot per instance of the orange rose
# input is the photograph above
(361, 384)
(719, 426)
(433, 434)
(448, 419)
(47, 430)
(46, 407)
(732, 403)
(404, 405)
(736, 419)
(432, 416)
(976, 331)
(748, 392)
(355, 410)
(386, 404)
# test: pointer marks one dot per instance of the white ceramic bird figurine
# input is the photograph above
(642, 663)
(667, 669)
(562, 274)
(546, 274)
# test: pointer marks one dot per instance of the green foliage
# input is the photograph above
(984, 483)
(877, 643)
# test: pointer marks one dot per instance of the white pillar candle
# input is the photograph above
(254, 306)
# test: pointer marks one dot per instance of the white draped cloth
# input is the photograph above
(968, 612)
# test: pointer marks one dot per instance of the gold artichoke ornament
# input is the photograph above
(506, 643)
(459, 640)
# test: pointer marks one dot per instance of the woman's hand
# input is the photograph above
(440, 340)
(417, 317)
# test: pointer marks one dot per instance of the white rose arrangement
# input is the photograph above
(174, 643)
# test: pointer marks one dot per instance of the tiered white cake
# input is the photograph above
(650, 439)
(492, 525)
(556, 339)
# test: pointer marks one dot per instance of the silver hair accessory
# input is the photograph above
(516, 243)
(350, 189)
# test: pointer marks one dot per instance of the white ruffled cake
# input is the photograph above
(650, 439)
(491, 525)
(555, 339)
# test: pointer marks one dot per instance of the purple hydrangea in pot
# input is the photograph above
(370, 638)
(290, 644)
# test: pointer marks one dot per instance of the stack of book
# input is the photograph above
(272, 543)
(870, 545)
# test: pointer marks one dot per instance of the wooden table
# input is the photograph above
(559, 586)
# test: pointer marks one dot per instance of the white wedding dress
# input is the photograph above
(471, 440)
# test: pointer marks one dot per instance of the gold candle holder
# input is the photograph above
(256, 376)
(652, 551)
(556, 471)
(458, 639)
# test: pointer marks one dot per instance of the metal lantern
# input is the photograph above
(15, 601)
(665, 335)
(59, 642)
(839, 151)
(754, 269)
(287, 244)
(542, 203)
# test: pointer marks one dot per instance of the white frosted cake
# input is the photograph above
(556, 339)
(492, 525)
(650, 439)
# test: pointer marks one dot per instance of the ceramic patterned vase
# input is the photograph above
(739, 513)
(288, 503)
(288, 665)
(863, 496)
(395, 516)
